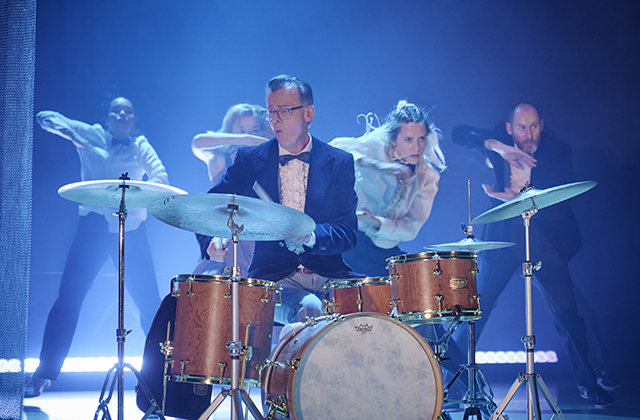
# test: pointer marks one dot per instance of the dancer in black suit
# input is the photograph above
(520, 151)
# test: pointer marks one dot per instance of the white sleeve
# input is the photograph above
(356, 146)
(82, 135)
(151, 163)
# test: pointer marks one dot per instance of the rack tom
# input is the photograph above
(435, 287)
(369, 294)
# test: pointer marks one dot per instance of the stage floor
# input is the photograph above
(82, 405)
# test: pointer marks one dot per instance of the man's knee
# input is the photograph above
(310, 306)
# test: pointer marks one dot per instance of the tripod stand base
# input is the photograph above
(118, 373)
(238, 396)
(478, 401)
(533, 381)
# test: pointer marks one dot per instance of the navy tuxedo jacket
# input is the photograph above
(557, 224)
(331, 202)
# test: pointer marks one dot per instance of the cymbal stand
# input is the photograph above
(238, 395)
(118, 369)
(532, 379)
(441, 345)
(475, 398)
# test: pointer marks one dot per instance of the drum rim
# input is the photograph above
(219, 279)
(432, 256)
(353, 282)
(435, 317)
(210, 380)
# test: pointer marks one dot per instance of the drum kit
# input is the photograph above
(362, 359)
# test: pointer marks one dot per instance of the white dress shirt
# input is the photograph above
(100, 160)
(293, 189)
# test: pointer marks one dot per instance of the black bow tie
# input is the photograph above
(304, 157)
(124, 142)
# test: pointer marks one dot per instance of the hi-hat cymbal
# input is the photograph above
(108, 192)
(469, 245)
(207, 214)
(525, 201)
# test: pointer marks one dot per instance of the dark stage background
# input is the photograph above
(184, 63)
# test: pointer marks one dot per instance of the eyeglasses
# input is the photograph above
(281, 114)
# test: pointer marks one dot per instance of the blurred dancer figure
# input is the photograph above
(397, 178)
(243, 125)
(104, 154)
(520, 151)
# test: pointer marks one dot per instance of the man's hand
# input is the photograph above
(218, 249)
(505, 196)
(302, 239)
(511, 154)
(296, 245)
(368, 217)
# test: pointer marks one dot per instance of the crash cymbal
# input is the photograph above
(207, 214)
(107, 193)
(469, 244)
(526, 200)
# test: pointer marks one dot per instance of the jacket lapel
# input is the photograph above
(320, 175)
(265, 164)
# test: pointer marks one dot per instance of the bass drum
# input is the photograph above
(358, 366)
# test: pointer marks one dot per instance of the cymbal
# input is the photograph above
(469, 245)
(107, 193)
(207, 214)
(524, 201)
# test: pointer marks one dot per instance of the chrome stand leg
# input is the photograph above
(476, 399)
(237, 394)
(531, 379)
(121, 333)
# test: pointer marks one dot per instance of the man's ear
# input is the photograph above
(508, 127)
(309, 113)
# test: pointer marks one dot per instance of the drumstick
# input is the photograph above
(262, 194)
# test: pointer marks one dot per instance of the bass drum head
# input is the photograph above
(366, 366)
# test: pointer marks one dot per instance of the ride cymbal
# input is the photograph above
(525, 201)
(207, 214)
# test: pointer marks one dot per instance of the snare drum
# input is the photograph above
(435, 286)
(358, 366)
(204, 326)
(370, 294)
